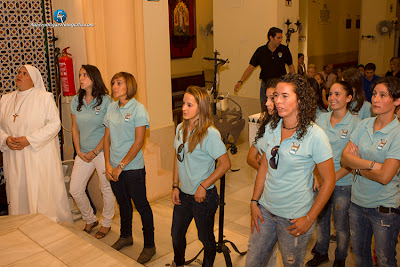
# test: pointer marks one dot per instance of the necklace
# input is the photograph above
(284, 127)
(15, 115)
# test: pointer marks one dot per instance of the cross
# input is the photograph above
(15, 116)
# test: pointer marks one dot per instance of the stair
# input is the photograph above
(158, 180)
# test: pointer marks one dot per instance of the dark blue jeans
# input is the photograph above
(340, 200)
(365, 222)
(132, 185)
(263, 89)
(203, 214)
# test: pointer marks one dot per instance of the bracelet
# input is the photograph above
(254, 201)
(203, 187)
(308, 218)
(175, 186)
(95, 152)
(372, 165)
(240, 81)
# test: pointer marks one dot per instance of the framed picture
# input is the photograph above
(182, 28)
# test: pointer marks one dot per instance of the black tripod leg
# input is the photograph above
(235, 248)
(195, 257)
(227, 256)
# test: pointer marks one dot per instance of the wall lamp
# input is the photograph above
(291, 30)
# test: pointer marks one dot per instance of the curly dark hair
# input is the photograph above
(306, 107)
(265, 117)
(99, 89)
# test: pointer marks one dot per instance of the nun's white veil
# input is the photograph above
(36, 77)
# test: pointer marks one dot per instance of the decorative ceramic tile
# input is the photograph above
(21, 43)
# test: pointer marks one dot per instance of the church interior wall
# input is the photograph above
(328, 39)
(380, 49)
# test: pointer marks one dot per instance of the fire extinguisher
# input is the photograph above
(67, 73)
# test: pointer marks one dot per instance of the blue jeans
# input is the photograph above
(293, 249)
(365, 222)
(203, 214)
(263, 89)
(340, 200)
(132, 185)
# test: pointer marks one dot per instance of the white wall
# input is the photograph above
(158, 71)
(75, 38)
(380, 50)
(240, 27)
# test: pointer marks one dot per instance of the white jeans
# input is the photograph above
(80, 176)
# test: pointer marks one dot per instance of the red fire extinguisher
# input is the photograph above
(67, 73)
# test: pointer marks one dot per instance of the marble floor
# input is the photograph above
(239, 188)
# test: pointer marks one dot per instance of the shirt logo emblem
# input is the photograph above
(344, 133)
(97, 110)
(128, 116)
(280, 54)
(382, 143)
(293, 149)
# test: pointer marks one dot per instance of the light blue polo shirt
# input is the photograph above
(259, 144)
(288, 190)
(319, 112)
(90, 122)
(122, 122)
(378, 146)
(338, 138)
(200, 164)
(365, 110)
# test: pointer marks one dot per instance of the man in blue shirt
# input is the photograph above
(368, 79)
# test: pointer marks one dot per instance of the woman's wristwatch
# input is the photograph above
(372, 165)
(122, 166)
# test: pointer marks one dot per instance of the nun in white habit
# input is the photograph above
(29, 124)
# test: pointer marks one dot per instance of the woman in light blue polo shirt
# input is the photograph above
(374, 152)
(359, 106)
(88, 109)
(254, 155)
(197, 145)
(126, 122)
(282, 206)
(321, 109)
(338, 125)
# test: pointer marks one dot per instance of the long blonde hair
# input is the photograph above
(205, 118)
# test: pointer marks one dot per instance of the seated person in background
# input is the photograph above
(368, 79)
(311, 71)
(395, 67)
(338, 73)
(361, 69)
(323, 88)
(329, 76)
(301, 68)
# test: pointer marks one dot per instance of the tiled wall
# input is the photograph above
(21, 43)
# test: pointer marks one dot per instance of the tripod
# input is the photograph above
(221, 247)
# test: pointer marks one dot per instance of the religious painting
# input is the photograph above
(182, 24)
